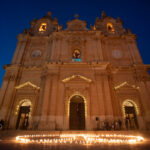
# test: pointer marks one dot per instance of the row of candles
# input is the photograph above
(87, 139)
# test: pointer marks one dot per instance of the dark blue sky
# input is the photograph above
(15, 15)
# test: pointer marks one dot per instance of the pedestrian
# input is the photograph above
(1, 124)
(97, 123)
(113, 125)
(116, 125)
(120, 124)
(127, 122)
(107, 125)
(103, 125)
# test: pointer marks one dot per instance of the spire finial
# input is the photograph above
(49, 14)
(76, 16)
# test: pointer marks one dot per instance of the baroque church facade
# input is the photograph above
(75, 78)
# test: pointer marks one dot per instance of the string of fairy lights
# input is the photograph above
(84, 139)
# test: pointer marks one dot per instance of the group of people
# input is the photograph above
(130, 122)
(105, 125)
(24, 122)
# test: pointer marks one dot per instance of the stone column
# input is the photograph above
(35, 117)
(43, 122)
(66, 116)
(100, 50)
(16, 52)
(107, 98)
(86, 93)
(134, 52)
(49, 49)
(94, 104)
(144, 107)
(59, 111)
(22, 43)
(8, 98)
(100, 94)
(4, 87)
(52, 103)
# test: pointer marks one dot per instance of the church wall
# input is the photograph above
(31, 75)
(112, 44)
(94, 104)
(7, 99)
(132, 46)
(60, 107)
(21, 45)
(21, 95)
(127, 93)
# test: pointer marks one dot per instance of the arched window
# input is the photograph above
(43, 27)
(76, 56)
(110, 27)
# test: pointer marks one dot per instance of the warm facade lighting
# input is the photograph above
(110, 27)
(76, 56)
(43, 27)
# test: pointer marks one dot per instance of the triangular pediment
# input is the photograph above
(125, 85)
(76, 78)
(27, 84)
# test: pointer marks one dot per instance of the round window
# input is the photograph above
(117, 54)
(36, 53)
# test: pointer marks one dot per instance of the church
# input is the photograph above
(76, 78)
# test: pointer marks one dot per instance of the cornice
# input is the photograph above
(141, 66)
(23, 37)
(129, 67)
(11, 66)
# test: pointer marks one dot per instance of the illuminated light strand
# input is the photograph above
(84, 139)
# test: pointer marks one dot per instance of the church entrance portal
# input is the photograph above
(131, 117)
(77, 113)
(23, 116)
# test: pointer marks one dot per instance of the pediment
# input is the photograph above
(76, 78)
(27, 85)
(126, 85)
(76, 25)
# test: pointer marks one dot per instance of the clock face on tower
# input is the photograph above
(117, 54)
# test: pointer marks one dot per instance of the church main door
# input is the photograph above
(23, 116)
(77, 113)
(131, 117)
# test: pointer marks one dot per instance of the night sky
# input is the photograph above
(15, 16)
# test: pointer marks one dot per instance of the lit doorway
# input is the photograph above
(131, 121)
(77, 113)
(23, 116)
